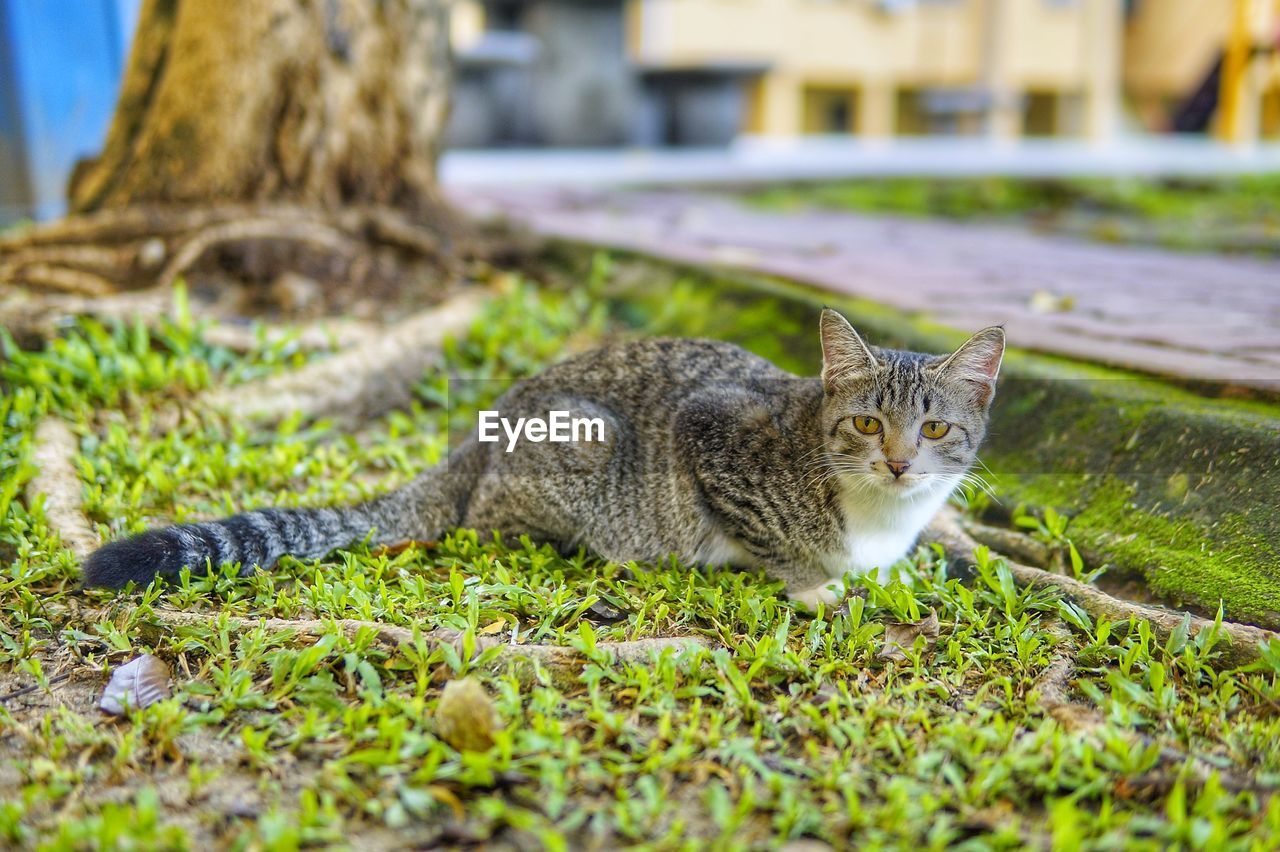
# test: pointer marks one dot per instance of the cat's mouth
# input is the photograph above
(883, 482)
(878, 479)
(904, 484)
(911, 482)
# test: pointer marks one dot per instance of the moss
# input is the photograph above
(1158, 480)
(1182, 561)
(1236, 214)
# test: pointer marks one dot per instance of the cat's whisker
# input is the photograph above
(978, 460)
(818, 449)
(975, 477)
(970, 478)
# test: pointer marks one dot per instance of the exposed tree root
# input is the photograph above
(315, 234)
(1013, 543)
(59, 484)
(1053, 688)
(32, 317)
(562, 663)
(1240, 642)
(148, 246)
(360, 383)
(63, 278)
(321, 336)
(1054, 684)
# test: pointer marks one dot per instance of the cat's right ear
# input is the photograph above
(844, 355)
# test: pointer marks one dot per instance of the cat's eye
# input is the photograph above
(935, 429)
(867, 425)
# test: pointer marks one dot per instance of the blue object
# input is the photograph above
(60, 68)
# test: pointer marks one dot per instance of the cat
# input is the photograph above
(708, 453)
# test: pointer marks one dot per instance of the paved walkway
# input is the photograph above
(1199, 317)
(757, 161)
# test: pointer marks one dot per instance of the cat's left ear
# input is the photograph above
(977, 363)
(844, 355)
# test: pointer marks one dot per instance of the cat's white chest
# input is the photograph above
(879, 533)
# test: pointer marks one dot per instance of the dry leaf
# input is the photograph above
(465, 717)
(1046, 302)
(1074, 717)
(401, 546)
(991, 817)
(446, 796)
(139, 683)
(900, 636)
(603, 613)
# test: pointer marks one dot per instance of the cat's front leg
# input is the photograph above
(807, 583)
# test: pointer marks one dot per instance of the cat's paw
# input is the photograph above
(829, 593)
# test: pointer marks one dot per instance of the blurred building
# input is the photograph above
(1182, 57)
(700, 72)
(691, 72)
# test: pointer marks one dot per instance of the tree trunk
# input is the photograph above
(261, 148)
(319, 102)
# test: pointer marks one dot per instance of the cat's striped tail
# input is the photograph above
(252, 538)
(423, 509)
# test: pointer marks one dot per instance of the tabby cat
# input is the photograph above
(709, 453)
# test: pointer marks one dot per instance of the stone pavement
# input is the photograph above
(1189, 316)
(755, 160)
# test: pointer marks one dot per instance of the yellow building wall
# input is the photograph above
(1052, 44)
(1013, 46)
(837, 38)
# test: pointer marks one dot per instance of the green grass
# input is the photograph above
(794, 727)
(1239, 214)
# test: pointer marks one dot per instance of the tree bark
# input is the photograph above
(317, 102)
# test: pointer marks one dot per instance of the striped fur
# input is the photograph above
(252, 538)
(425, 507)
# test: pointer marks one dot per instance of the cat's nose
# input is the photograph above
(897, 467)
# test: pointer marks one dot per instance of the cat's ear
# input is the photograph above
(844, 355)
(977, 363)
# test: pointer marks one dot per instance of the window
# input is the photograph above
(1040, 115)
(830, 110)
